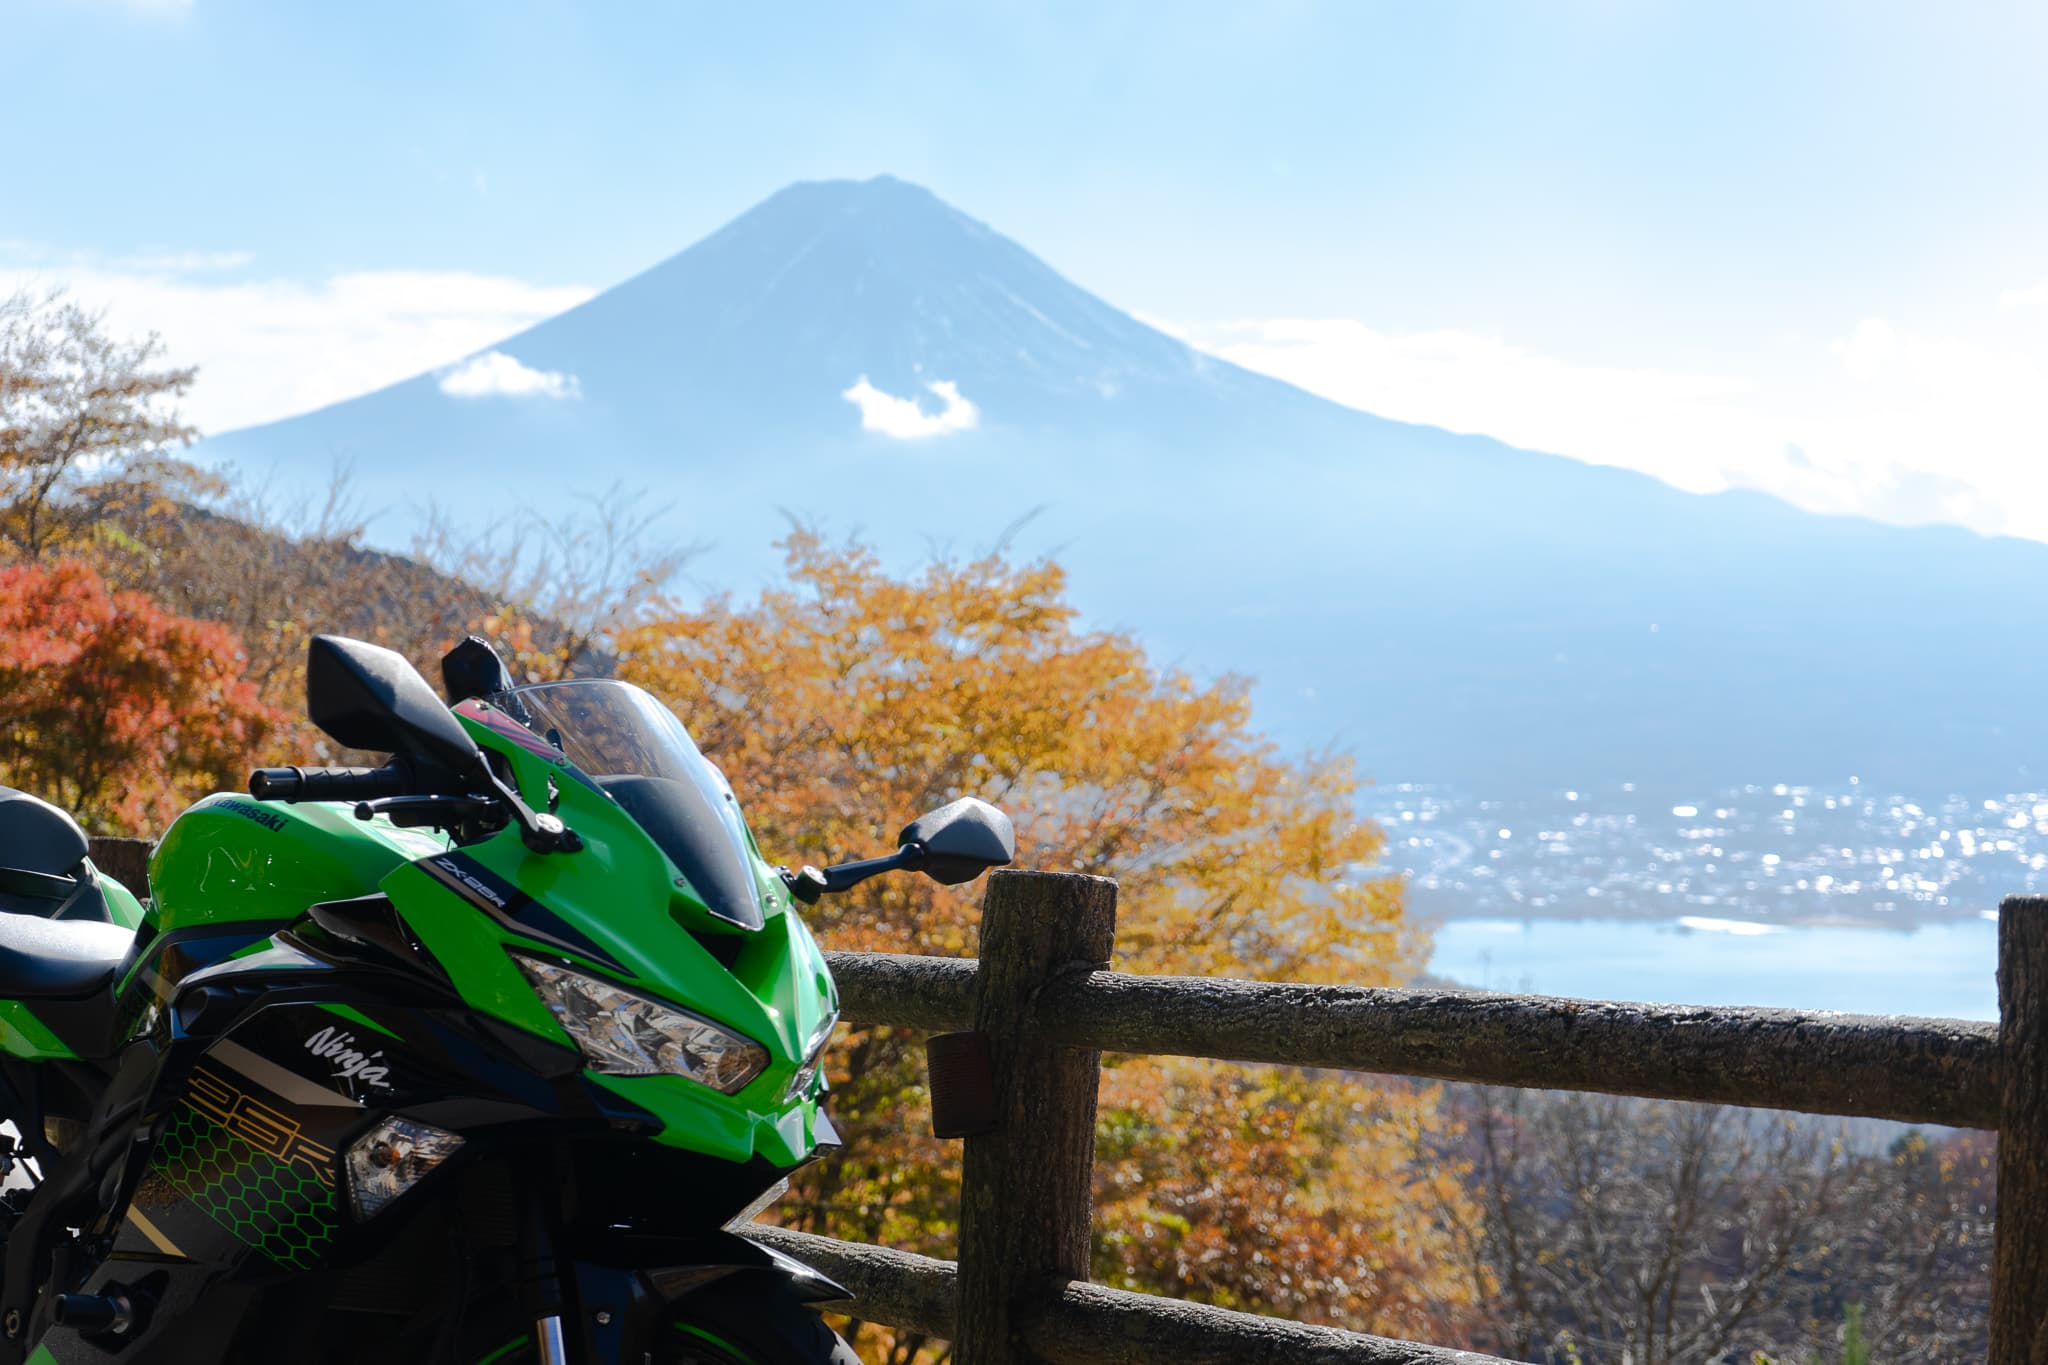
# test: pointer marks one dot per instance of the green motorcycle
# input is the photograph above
(484, 1056)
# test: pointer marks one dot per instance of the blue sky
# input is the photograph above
(1800, 246)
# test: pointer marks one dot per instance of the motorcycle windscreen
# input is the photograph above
(639, 754)
(691, 829)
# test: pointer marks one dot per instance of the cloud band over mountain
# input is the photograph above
(904, 419)
(497, 375)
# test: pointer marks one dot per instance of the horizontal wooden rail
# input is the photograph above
(1942, 1071)
(1086, 1324)
(895, 1288)
(1913, 1070)
(902, 991)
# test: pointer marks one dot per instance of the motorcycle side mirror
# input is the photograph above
(473, 669)
(955, 843)
(960, 841)
(369, 697)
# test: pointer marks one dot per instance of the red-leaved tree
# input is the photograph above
(113, 708)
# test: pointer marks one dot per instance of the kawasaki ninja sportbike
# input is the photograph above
(478, 1057)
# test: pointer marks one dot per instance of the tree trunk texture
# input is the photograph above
(1913, 1070)
(895, 1288)
(1026, 1188)
(125, 861)
(902, 991)
(1086, 1324)
(1944, 1071)
(2019, 1248)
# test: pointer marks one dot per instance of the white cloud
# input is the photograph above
(497, 375)
(1884, 420)
(269, 348)
(903, 419)
(1476, 382)
(2035, 297)
(184, 261)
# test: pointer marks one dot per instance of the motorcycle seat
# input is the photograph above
(42, 862)
(37, 837)
(58, 959)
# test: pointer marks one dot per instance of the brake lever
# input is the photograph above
(413, 812)
(540, 831)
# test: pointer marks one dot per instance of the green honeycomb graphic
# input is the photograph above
(283, 1211)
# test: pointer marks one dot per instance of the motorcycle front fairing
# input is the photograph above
(263, 1073)
(626, 911)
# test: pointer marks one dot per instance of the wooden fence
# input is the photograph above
(125, 860)
(1041, 1006)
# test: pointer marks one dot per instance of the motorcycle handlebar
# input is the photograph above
(327, 784)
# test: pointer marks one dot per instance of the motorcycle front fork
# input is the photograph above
(547, 1332)
(602, 1333)
(540, 1279)
(582, 1313)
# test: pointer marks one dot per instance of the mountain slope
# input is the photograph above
(1450, 608)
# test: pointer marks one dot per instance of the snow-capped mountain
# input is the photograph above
(1451, 609)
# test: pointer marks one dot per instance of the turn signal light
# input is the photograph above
(391, 1158)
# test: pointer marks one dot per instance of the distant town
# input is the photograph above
(1778, 854)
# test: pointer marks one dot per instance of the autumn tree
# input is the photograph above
(85, 426)
(1278, 1191)
(850, 700)
(1916, 1254)
(1610, 1231)
(1613, 1230)
(114, 709)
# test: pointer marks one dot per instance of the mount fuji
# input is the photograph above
(1450, 609)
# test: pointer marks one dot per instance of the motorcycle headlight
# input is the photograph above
(623, 1034)
(814, 1053)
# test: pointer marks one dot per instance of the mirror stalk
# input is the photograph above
(810, 883)
(954, 844)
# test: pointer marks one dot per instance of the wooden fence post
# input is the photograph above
(125, 860)
(1026, 1204)
(2019, 1256)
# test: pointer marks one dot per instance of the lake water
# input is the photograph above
(1946, 969)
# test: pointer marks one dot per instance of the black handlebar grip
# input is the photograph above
(326, 784)
(274, 784)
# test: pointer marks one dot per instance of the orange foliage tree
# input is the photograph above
(851, 700)
(114, 709)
